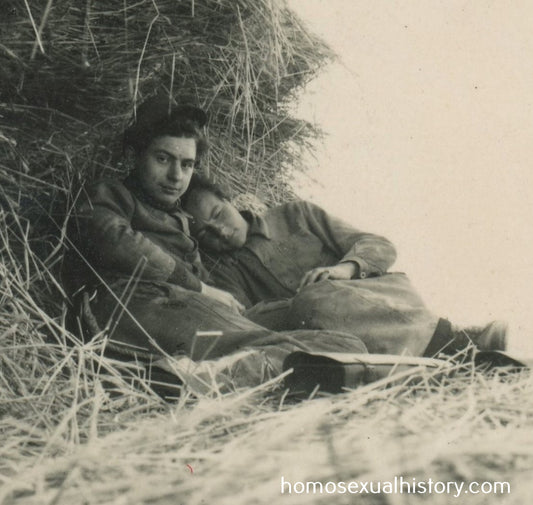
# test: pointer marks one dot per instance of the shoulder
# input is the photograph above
(112, 191)
(297, 206)
(107, 186)
(289, 217)
(296, 209)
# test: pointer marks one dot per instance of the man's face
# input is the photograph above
(217, 224)
(165, 167)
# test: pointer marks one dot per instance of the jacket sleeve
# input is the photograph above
(112, 244)
(373, 254)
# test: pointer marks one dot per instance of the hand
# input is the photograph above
(223, 297)
(337, 272)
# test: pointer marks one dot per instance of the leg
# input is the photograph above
(165, 318)
(270, 314)
(257, 362)
(384, 312)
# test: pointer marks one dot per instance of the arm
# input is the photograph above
(112, 244)
(360, 254)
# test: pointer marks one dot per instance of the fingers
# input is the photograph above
(315, 275)
(234, 304)
(305, 280)
(322, 276)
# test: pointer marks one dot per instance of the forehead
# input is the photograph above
(180, 147)
(202, 204)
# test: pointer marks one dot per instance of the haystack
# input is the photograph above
(73, 427)
(71, 73)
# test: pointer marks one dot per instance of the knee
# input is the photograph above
(306, 309)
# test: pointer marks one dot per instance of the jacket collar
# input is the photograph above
(258, 224)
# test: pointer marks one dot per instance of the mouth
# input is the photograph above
(170, 190)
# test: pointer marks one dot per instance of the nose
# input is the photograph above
(175, 171)
(222, 230)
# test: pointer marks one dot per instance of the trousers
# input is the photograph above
(385, 312)
(159, 319)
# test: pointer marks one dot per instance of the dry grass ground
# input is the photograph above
(77, 427)
(234, 449)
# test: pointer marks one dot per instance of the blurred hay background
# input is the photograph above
(73, 427)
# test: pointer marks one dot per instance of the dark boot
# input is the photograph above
(450, 341)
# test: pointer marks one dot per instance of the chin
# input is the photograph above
(167, 202)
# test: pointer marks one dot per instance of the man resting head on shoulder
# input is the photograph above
(322, 272)
(298, 243)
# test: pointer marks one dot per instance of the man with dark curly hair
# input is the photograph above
(136, 272)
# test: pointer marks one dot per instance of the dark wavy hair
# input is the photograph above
(179, 128)
(156, 118)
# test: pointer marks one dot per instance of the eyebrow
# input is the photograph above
(168, 153)
(165, 152)
(162, 150)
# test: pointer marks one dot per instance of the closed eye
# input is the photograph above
(216, 213)
(208, 237)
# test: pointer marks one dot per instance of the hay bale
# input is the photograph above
(71, 73)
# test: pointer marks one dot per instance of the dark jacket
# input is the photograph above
(122, 234)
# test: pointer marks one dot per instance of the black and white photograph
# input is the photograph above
(266, 251)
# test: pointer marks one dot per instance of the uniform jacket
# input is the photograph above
(285, 243)
(122, 233)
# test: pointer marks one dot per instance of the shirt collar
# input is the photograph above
(258, 224)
